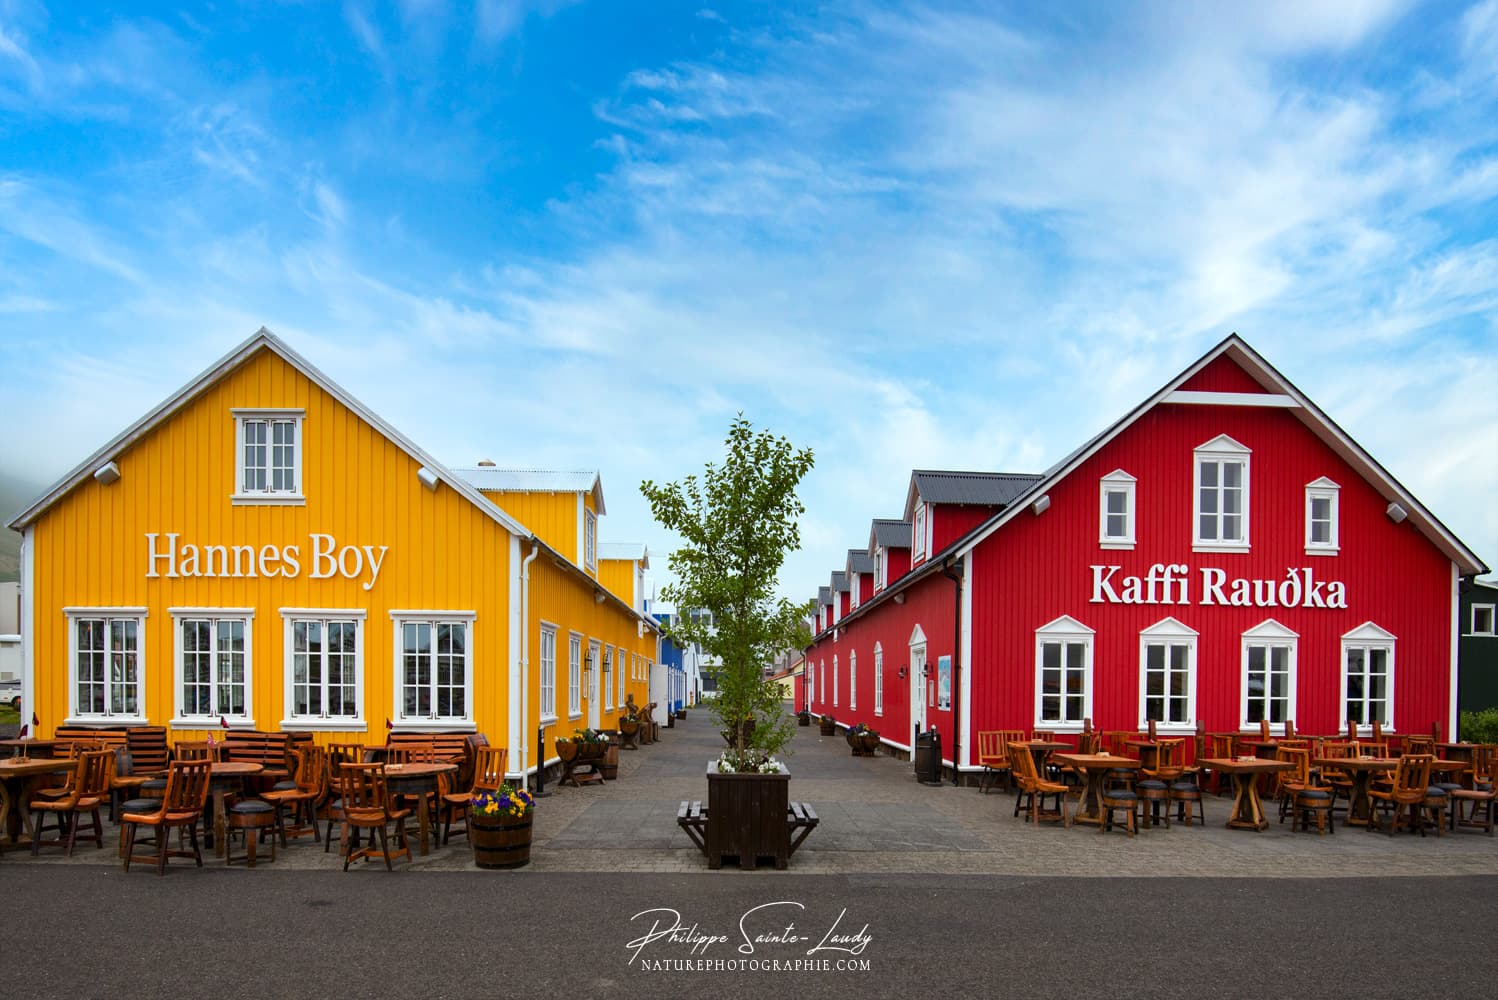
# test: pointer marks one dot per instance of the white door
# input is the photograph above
(918, 687)
(596, 658)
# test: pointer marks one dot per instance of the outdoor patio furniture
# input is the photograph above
(87, 788)
(1406, 797)
(181, 809)
(488, 775)
(367, 806)
(303, 798)
(1032, 790)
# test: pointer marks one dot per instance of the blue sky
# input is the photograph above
(584, 235)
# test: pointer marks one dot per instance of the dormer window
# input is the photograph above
(1116, 510)
(1321, 517)
(268, 456)
(922, 524)
(1220, 507)
(590, 540)
(853, 595)
(879, 568)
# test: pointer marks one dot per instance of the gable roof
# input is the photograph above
(824, 595)
(1279, 391)
(889, 533)
(989, 489)
(859, 561)
(840, 582)
(497, 480)
(263, 340)
(626, 551)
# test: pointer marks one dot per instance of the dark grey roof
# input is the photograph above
(891, 533)
(824, 595)
(840, 582)
(860, 561)
(993, 489)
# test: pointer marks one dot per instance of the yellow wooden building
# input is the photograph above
(264, 550)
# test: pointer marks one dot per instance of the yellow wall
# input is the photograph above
(443, 552)
(551, 517)
(618, 575)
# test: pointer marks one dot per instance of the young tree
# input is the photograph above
(737, 523)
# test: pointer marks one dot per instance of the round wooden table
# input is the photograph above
(1361, 770)
(1095, 768)
(224, 777)
(18, 779)
(419, 780)
(1248, 810)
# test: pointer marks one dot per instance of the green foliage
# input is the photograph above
(1479, 727)
(737, 523)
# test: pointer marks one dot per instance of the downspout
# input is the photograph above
(956, 578)
(525, 664)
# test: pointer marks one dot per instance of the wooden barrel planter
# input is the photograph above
(610, 765)
(500, 841)
(864, 744)
(829, 727)
(567, 751)
(803, 719)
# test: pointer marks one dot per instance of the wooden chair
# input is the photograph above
(1153, 790)
(993, 754)
(87, 789)
(1119, 798)
(1419, 744)
(198, 750)
(1481, 794)
(366, 806)
(1287, 783)
(1032, 787)
(488, 775)
(304, 798)
(181, 808)
(1223, 747)
(142, 759)
(1186, 790)
(1406, 797)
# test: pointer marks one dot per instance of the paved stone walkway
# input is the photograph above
(877, 819)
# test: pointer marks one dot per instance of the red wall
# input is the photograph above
(1222, 375)
(1037, 568)
(950, 522)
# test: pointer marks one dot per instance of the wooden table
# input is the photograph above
(1248, 811)
(18, 779)
(1458, 751)
(1095, 768)
(224, 777)
(1042, 749)
(1149, 751)
(1361, 770)
(419, 780)
(29, 747)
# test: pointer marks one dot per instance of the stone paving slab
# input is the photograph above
(877, 819)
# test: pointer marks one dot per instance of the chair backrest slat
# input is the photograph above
(187, 785)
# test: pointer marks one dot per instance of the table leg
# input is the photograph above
(218, 821)
(1090, 809)
(422, 817)
(1248, 813)
(1360, 804)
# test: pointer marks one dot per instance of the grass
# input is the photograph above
(9, 716)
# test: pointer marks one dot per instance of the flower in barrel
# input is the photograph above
(507, 801)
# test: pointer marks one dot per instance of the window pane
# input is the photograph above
(1232, 475)
(1208, 474)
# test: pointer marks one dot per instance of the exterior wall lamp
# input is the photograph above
(904, 673)
(588, 663)
(900, 597)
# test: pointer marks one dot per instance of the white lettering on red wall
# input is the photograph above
(166, 558)
(1170, 583)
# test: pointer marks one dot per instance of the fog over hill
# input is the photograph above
(15, 493)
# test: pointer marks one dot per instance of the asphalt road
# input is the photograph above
(86, 931)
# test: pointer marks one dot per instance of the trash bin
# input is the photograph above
(928, 757)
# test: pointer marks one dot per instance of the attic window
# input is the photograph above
(268, 456)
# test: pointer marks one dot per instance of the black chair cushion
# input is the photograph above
(283, 786)
(1315, 794)
(1435, 792)
(1122, 795)
(1447, 786)
(154, 783)
(1184, 786)
(251, 806)
(1151, 785)
(141, 806)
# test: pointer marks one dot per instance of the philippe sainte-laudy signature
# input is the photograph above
(769, 926)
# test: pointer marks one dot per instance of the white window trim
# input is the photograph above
(853, 681)
(1117, 481)
(834, 681)
(575, 640)
(1220, 449)
(879, 568)
(1492, 610)
(1268, 633)
(1170, 632)
(552, 630)
(878, 679)
(358, 723)
(182, 720)
(139, 615)
(242, 497)
(920, 531)
(1369, 636)
(427, 724)
(606, 677)
(619, 677)
(1324, 489)
(590, 540)
(1064, 629)
(853, 591)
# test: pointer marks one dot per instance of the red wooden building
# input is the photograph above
(1221, 555)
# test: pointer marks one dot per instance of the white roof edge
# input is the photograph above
(261, 338)
(1312, 415)
(595, 485)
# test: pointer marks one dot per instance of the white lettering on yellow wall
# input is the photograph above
(165, 557)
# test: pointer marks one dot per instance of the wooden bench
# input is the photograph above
(269, 750)
(109, 738)
(451, 748)
(800, 820)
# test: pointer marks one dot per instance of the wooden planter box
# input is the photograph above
(803, 718)
(863, 744)
(746, 817)
(500, 841)
(829, 728)
(610, 765)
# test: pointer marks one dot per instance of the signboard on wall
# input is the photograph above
(944, 683)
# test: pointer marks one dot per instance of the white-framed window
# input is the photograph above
(268, 456)
(324, 660)
(1321, 517)
(1221, 498)
(853, 680)
(1063, 673)
(1116, 510)
(590, 540)
(853, 591)
(106, 664)
(547, 656)
(834, 682)
(608, 678)
(920, 526)
(1167, 676)
(1269, 655)
(878, 679)
(212, 666)
(621, 677)
(1368, 677)
(811, 685)
(574, 675)
(434, 667)
(878, 569)
(1482, 619)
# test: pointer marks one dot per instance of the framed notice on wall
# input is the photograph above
(944, 683)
